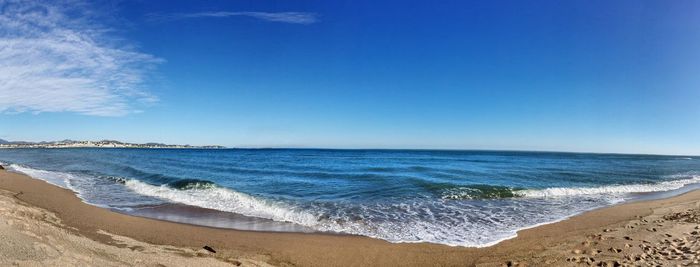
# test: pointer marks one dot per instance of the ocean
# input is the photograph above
(457, 198)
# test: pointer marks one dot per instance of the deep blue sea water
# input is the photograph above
(465, 198)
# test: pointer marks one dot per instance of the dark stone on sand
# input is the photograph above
(208, 248)
(1, 167)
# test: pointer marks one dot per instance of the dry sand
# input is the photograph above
(41, 224)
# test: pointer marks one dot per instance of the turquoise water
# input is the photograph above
(463, 198)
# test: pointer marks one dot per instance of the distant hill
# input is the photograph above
(95, 144)
(5, 142)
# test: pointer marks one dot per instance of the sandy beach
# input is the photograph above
(44, 225)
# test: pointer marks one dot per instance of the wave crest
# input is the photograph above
(187, 184)
(610, 189)
(208, 195)
(497, 192)
(478, 192)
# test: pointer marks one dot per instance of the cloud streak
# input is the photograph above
(284, 17)
(54, 62)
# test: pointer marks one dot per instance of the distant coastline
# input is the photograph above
(97, 144)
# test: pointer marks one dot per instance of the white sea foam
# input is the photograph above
(394, 230)
(455, 223)
(610, 189)
(59, 179)
(213, 197)
(225, 199)
(83, 187)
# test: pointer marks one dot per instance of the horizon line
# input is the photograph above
(467, 149)
(404, 148)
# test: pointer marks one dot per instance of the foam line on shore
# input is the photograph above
(206, 194)
(224, 199)
(611, 189)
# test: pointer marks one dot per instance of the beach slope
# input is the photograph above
(41, 224)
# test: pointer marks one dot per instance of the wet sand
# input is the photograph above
(41, 224)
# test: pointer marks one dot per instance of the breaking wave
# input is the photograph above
(447, 217)
(498, 192)
(478, 192)
(206, 194)
(610, 189)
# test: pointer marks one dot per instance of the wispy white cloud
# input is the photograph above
(285, 17)
(56, 57)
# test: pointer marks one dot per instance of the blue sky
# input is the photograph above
(599, 76)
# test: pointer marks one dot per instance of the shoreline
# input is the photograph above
(198, 216)
(212, 218)
(553, 243)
